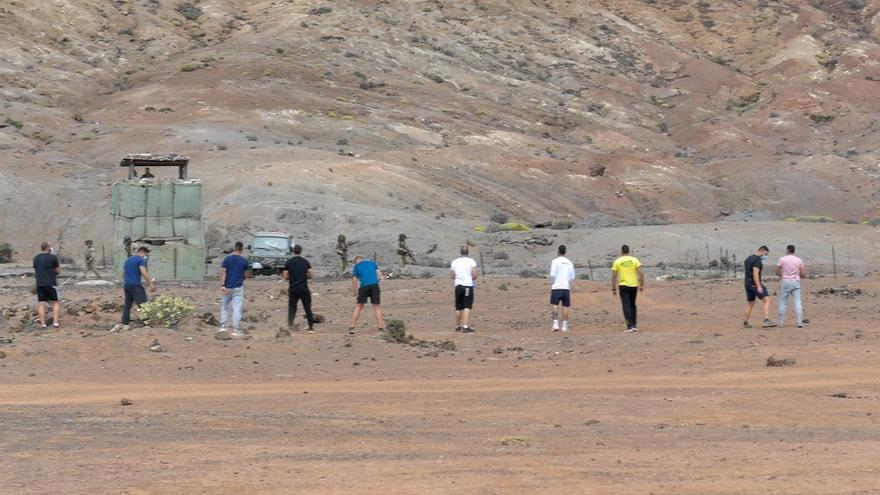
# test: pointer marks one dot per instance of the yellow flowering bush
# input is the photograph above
(165, 311)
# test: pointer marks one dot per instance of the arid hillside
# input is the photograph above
(374, 117)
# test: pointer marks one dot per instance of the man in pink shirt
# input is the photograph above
(791, 269)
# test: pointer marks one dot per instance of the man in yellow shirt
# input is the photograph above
(628, 277)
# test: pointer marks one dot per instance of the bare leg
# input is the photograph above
(56, 312)
(749, 307)
(565, 313)
(766, 308)
(41, 310)
(380, 321)
(458, 318)
(466, 317)
(357, 314)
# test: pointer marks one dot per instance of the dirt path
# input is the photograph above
(685, 407)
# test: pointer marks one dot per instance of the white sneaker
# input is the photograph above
(631, 330)
(222, 328)
(555, 327)
(564, 326)
(238, 334)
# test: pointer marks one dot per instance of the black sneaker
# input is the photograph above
(351, 330)
(746, 325)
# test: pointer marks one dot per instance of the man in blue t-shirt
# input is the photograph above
(365, 285)
(233, 273)
(134, 269)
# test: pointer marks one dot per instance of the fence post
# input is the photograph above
(834, 260)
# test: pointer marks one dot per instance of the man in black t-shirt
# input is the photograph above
(755, 288)
(298, 272)
(46, 270)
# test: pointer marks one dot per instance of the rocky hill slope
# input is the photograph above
(373, 117)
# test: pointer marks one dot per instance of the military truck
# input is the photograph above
(269, 251)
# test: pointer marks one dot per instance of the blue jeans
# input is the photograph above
(134, 294)
(792, 289)
(235, 295)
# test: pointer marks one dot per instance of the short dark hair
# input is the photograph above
(143, 249)
(790, 248)
(561, 249)
(764, 248)
(297, 249)
(624, 249)
(239, 246)
(464, 250)
(44, 246)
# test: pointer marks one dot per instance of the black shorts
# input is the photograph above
(752, 293)
(560, 296)
(464, 297)
(370, 292)
(47, 293)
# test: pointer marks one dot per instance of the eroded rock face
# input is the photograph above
(640, 114)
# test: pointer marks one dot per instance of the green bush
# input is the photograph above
(809, 219)
(514, 227)
(564, 224)
(165, 311)
(499, 217)
(14, 123)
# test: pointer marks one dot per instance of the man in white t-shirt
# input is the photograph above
(464, 272)
(561, 273)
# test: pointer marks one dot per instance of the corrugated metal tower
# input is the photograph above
(162, 214)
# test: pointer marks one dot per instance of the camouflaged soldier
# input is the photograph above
(403, 253)
(90, 260)
(342, 252)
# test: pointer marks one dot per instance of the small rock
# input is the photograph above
(156, 346)
(2, 355)
(210, 319)
(591, 422)
(780, 362)
(222, 336)
(282, 332)
(125, 401)
(840, 395)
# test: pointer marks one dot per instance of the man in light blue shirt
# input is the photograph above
(365, 285)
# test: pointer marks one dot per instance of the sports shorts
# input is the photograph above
(752, 293)
(47, 293)
(560, 295)
(370, 292)
(464, 297)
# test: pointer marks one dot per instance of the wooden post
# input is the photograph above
(103, 258)
(590, 265)
(482, 265)
(834, 260)
(734, 265)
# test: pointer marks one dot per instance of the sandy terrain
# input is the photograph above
(685, 406)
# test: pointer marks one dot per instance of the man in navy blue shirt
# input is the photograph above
(46, 270)
(233, 272)
(134, 269)
(365, 285)
(298, 272)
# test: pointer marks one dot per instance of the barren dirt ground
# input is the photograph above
(685, 406)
